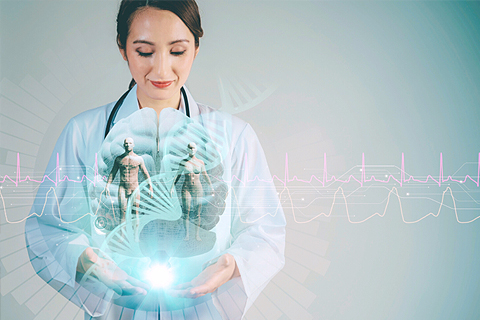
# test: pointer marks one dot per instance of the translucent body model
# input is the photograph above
(129, 164)
(192, 191)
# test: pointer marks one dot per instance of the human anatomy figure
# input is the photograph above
(192, 191)
(129, 164)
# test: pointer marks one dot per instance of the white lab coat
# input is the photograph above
(252, 228)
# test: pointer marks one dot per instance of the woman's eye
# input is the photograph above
(144, 54)
(178, 53)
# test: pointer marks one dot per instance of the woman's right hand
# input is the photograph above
(110, 274)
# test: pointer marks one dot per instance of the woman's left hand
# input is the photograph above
(209, 279)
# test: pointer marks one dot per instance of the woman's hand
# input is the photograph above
(209, 279)
(110, 274)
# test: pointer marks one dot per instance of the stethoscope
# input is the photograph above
(117, 106)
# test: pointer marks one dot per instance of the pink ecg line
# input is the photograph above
(57, 180)
(324, 181)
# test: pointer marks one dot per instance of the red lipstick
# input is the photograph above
(161, 84)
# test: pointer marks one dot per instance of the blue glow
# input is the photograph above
(159, 276)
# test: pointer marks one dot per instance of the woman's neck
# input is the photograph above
(158, 105)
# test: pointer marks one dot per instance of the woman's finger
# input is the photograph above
(179, 293)
(182, 286)
(129, 290)
(113, 277)
(189, 292)
(186, 290)
(112, 285)
(137, 283)
(122, 287)
(204, 289)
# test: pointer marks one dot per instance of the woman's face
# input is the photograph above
(160, 50)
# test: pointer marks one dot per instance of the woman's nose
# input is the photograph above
(161, 67)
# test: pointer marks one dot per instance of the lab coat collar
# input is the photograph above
(130, 105)
(194, 110)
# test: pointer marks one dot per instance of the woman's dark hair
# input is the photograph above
(186, 10)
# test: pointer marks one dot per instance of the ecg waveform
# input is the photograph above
(339, 195)
(363, 178)
(43, 209)
(393, 191)
(324, 180)
(55, 181)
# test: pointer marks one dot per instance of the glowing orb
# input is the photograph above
(159, 276)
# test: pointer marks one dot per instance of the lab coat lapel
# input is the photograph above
(130, 105)
(193, 107)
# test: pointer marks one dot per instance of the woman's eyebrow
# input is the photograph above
(144, 41)
(151, 43)
(177, 41)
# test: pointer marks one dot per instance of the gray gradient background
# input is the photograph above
(378, 78)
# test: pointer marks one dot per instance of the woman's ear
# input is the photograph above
(122, 50)
(123, 53)
(196, 52)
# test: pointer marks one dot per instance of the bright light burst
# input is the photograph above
(159, 276)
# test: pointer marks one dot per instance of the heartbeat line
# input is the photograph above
(55, 181)
(395, 192)
(43, 209)
(52, 189)
(324, 180)
(363, 177)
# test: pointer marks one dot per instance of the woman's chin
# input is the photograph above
(159, 94)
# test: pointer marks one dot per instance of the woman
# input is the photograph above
(159, 40)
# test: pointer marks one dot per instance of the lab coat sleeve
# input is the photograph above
(57, 231)
(258, 223)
